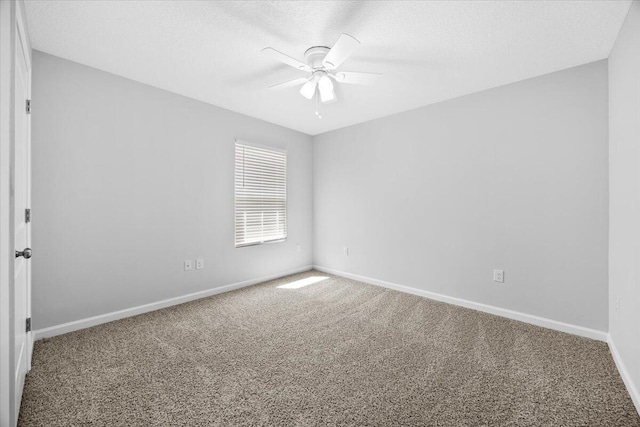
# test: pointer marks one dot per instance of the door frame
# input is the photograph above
(13, 24)
(23, 33)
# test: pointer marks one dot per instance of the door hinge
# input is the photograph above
(28, 324)
(27, 215)
(28, 106)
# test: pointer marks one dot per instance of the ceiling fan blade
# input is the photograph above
(279, 56)
(309, 89)
(356, 78)
(340, 51)
(290, 83)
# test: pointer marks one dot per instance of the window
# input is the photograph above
(261, 194)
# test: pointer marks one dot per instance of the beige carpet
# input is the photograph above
(336, 352)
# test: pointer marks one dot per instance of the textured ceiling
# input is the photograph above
(427, 51)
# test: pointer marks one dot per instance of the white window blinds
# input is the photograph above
(261, 194)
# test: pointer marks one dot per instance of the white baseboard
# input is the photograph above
(626, 378)
(510, 314)
(133, 311)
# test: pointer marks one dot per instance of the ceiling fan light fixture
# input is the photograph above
(325, 87)
(308, 89)
(328, 96)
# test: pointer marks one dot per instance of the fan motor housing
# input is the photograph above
(314, 56)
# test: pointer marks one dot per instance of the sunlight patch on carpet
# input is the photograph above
(303, 282)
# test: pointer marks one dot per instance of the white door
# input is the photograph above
(22, 198)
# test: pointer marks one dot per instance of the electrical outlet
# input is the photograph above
(498, 276)
(345, 251)
(188, 265)
(618, 305)
(199, 263)
(298, 248)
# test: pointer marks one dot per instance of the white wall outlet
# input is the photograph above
(298, 248)
(345, 251)
(498, 276)
(617, 305)
(188, 265)
(199, 263)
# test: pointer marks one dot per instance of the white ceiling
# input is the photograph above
(427, 51)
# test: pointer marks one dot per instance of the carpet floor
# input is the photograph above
(335, 352)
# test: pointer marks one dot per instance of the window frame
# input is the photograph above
(286, 194)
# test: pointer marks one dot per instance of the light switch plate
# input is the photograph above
(188, 265)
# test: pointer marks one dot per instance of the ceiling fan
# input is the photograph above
(321, 64)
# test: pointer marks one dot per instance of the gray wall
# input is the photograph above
(131, 176)
(514, 178)
(624, 190)
(129, 181)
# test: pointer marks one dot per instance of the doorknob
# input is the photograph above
(26, 253)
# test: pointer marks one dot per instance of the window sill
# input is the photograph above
(244, 245)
